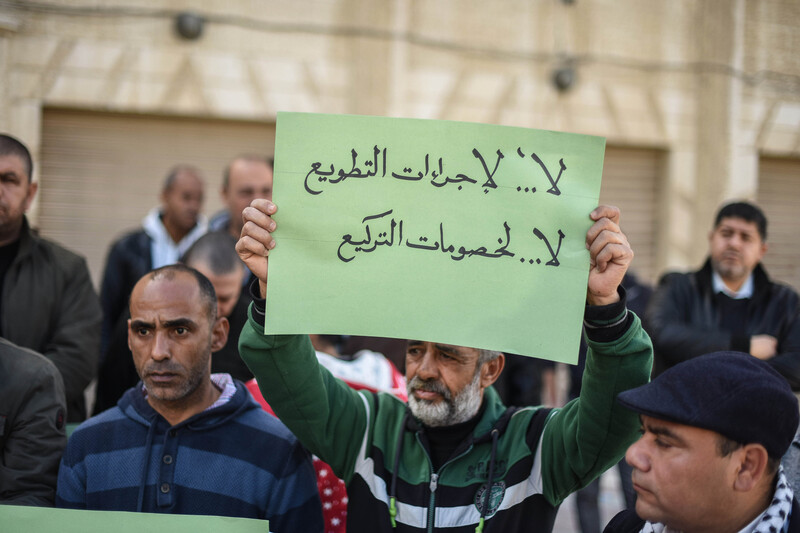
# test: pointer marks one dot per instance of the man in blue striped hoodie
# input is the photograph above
(184, 441)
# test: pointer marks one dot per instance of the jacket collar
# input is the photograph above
(27, 240)
(761, 279)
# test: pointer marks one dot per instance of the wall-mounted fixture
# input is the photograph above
(189, 25)
(564, 78)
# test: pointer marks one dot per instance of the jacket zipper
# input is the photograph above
(432, 504)
(434, 482)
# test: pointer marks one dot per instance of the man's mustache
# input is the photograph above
(430, 385)
(163, 368)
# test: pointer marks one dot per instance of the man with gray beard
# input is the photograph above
(454, 458)
(454, 408)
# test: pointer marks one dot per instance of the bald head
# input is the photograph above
(182, 201)
(204, 297)
(246, 178)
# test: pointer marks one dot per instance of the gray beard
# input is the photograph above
(451, 409)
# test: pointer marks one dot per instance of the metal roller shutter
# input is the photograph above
(779, 197)
(631, 178)
(100, 173)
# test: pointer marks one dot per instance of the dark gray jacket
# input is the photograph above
(32, 435)
(50, 306)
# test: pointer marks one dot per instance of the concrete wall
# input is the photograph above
(714, 83)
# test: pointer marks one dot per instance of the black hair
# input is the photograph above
(745, 211)
(12, 146)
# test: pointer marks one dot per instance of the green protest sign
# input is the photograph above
(21, 519)
(457, 233)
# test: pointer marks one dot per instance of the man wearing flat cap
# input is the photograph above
(714, 429)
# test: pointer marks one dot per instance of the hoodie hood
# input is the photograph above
(134, 405)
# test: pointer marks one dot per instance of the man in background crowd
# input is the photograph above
(246, 178)
(47, 301)
(730, 303)
(166, 233)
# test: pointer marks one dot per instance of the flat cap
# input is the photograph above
(732, 393)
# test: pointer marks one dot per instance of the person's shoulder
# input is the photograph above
(25, 364)
(779, 289)
(61, 257)
(676, 276)
(219, 221)
(112, 415)
(99, 427)
(130, 239)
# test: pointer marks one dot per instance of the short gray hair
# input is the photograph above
(484, 356)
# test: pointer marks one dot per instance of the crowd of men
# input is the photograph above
(176, 341)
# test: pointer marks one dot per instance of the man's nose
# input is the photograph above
(160, 349)
(735, 240)
(636, 456)
(427, 367)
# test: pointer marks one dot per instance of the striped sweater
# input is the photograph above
(129, 458)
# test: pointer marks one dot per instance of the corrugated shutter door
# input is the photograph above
(779, 197)
(631, 178)
(100, 173)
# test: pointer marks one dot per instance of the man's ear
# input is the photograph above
(32, 188)
(491, 370)
(752, 462)
(219, 334)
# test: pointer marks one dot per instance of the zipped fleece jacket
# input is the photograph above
(230, 460)
(528, 460)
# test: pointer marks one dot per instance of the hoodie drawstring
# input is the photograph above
(148, 445)
(488, 494)
(393, 486)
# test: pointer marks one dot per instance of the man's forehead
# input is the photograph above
(187, 181)
(9, 162)
(173, 288)
(738, 224)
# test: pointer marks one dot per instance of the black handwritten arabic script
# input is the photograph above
(431, 169)
(383, 230)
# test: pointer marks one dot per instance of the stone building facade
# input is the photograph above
(699, 99)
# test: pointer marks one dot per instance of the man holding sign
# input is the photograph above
(455, 458)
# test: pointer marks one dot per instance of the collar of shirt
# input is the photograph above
(745, 292)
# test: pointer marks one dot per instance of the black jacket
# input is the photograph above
(50, 306)
(128, 260)
(683, 321)
(32, 438)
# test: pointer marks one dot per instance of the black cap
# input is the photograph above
(732, 393)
